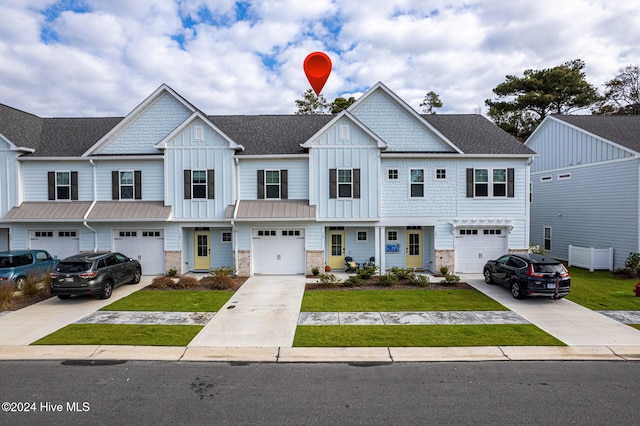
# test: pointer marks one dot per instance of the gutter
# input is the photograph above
(93, 203)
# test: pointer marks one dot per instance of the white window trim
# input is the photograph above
(198, 133)
(564, 176)
(397, 173)
(424, 187)
(266, 185)
(544, 238)
(222, 240)
(446, 174)
(193, 184)
(389, 239)
(338, 183)
(366, 236)
(345, 132)
(132, 185)
(490, 183)
(68, 172)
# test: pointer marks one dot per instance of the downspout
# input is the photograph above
(529, 193)
(233, 219)
(93, 203)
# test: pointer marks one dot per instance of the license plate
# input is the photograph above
(69, 280)
(552, 285)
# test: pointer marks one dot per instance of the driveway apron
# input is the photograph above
(569, 322)
(262, 313)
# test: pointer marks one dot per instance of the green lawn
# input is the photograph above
(122, 334)
(422, 336)
(600, 290)
(172, 301)
(397, 300)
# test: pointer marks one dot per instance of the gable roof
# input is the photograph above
(475, 134)
(621, 129)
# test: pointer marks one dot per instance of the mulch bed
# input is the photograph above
(372, 285)
(236, 284)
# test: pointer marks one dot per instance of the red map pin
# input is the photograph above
(317, 67)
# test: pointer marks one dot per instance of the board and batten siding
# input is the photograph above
(559, 145)
(297, 173)
(596, 207)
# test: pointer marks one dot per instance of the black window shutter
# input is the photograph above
(137, 180)
(260, 184)
(284, 184)
(115, 185)
(356, 183)
(74, 185)
(211, 184)
(51, 180)
(187, 184)
(469, 183)
(333, 183)
(510, 183)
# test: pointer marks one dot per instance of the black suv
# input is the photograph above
(93, 273)
(529, 275)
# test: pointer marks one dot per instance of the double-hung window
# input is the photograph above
(417, 183)
(273, 184)
(344, 183)
(62, 185)
(126, 185)
(199, 184)
(490, 183)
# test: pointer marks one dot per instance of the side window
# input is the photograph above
(120, 258)
(503, 259)
(102, 264)
(547, 238)
(42, 256)
(111, 260)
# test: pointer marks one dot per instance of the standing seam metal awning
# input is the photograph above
(271, 209)
(75, 211)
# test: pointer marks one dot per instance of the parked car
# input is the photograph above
(93, 273)
(16, 266)
(529, 275)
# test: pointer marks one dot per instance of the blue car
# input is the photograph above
(16, 266)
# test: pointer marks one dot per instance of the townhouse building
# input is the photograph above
(266, 194)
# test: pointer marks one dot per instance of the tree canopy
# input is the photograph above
(340, 104)
(523, 102)
(622, 93)
(313, 104)
(431, 102)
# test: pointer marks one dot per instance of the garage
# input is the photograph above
(474, 246)
(146, 245)
(60, 243)
(278, 251)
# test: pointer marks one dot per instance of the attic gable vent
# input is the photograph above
(198, 133)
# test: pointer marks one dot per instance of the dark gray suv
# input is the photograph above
(93, 273)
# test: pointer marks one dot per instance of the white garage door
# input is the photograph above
(278, 251)
(146, 245)
(475, 246)
(59, 243)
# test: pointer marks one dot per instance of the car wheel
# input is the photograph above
(137, 274)
(516, 291)
(20, 282)
(107, 290)
(64, 296)
(487, 277)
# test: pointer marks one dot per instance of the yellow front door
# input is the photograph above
(335, 249)
(414, 249)
(202, 252)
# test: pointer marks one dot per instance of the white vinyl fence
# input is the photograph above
(591, 258)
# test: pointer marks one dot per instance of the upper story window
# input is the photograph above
(344, 183)
(126, 185)
(392, 174)
(63, 185)
(490, 183)
(417, 183)
(441, 174)
(273, 184)
(199, 184)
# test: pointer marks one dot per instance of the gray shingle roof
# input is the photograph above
(621, 129)
(474, 134)
(259, 134)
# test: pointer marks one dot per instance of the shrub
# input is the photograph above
(217, 282)
(444, 270)
(172, 272)
(6, 298)
(329, 280)
(387, 280)
(632, 264)
(536, 249)
(315, 271)
(187, 281)
(32, 287)
(419, 280)
(401, 273)
(221, 271)
(161, 281)
(451, 279)
(353, 281)
(367, 272)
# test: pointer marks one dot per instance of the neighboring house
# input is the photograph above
(268, 194)
(585, 184)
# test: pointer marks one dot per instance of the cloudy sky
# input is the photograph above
(103, 57)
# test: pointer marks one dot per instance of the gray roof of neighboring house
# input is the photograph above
(621, 129)
(259, 134)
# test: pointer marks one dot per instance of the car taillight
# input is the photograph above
(53, 275)
(565, 271)
(89, 275)
(533, 274)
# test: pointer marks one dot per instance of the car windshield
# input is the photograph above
(69, 267)
(546, 268)
(15, 261)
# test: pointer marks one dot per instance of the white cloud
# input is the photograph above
(110, 56)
